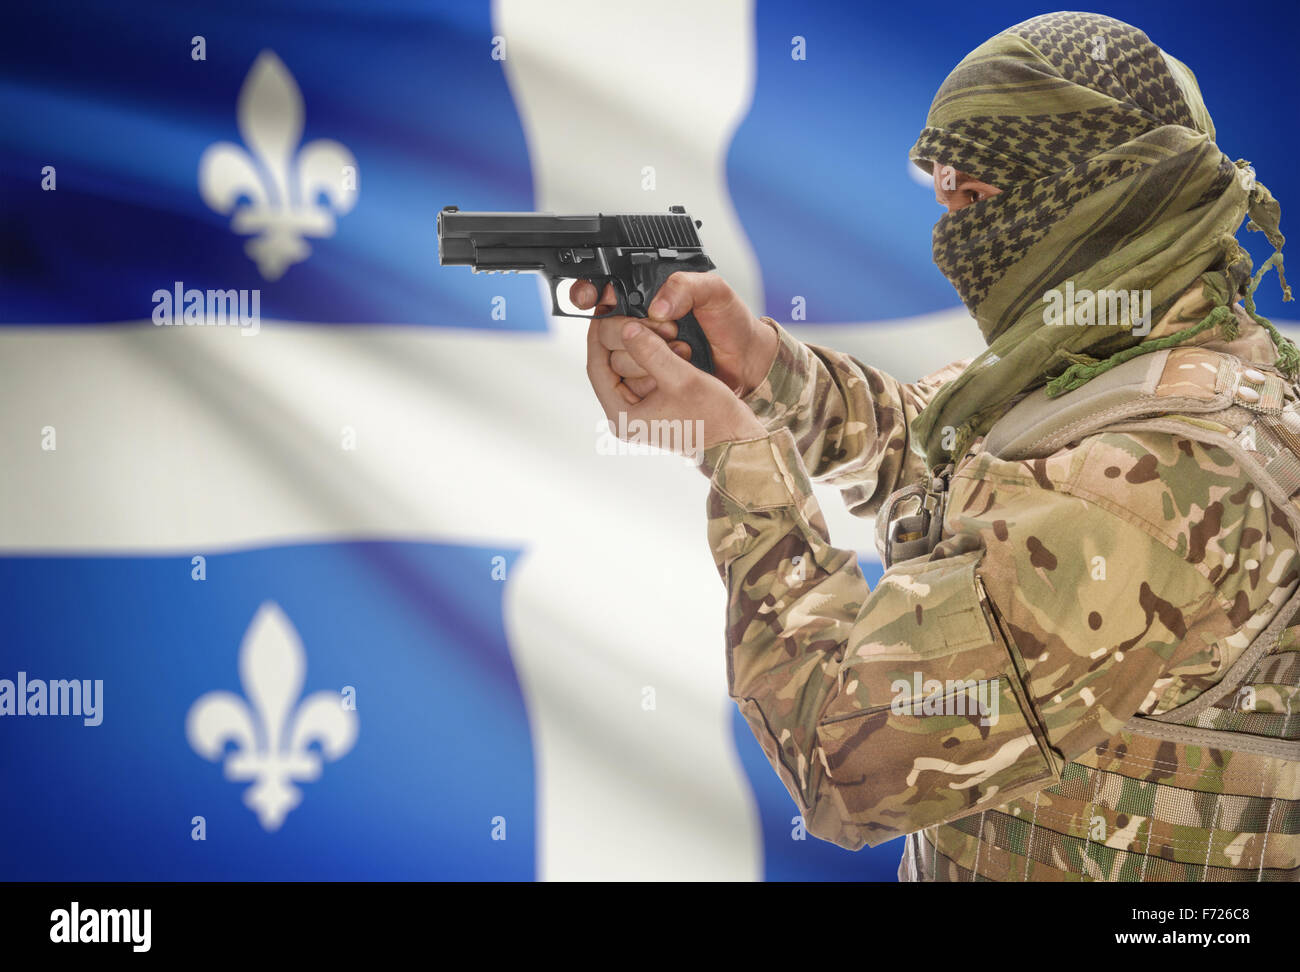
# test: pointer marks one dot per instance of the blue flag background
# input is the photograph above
(459, 570)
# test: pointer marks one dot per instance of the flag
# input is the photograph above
(317, 564)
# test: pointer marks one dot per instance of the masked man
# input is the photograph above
(1080, 661)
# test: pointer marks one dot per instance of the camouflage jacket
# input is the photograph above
(977, 698)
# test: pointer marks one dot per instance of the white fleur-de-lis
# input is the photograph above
(277, 193)
(272, 738)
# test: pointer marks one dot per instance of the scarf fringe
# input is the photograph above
(1265, 217)
(1078, 375)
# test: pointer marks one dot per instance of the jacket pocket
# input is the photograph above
(930, 721)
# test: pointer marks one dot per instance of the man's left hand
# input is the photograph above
(682, 393)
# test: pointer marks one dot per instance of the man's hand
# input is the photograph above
(743, 346)
(680, 393)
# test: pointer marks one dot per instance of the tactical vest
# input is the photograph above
(1210, 790)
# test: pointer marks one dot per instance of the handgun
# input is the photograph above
(636, 252)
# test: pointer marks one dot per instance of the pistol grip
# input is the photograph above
(651, 274)
(689, 330)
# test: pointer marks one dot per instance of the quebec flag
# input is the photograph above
(353, 587)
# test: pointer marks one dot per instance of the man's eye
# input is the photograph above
(974, 196)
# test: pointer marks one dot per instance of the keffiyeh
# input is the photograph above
(1111, 181)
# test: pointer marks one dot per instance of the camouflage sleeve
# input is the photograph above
(965, 679)
(850, 421)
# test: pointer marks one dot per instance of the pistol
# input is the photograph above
(636, 252)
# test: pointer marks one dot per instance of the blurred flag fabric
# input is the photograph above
(366, 594)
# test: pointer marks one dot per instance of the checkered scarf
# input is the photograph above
(1111, 181)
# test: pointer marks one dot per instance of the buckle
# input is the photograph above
(904, 535)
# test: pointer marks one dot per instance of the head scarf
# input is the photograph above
(1111, 180)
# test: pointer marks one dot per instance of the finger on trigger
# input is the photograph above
(582, 294)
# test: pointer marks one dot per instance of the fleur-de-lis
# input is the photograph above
(278, 193)
(272, 738)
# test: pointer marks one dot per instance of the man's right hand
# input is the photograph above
(743, 346)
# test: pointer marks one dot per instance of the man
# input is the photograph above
(1079, 663)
